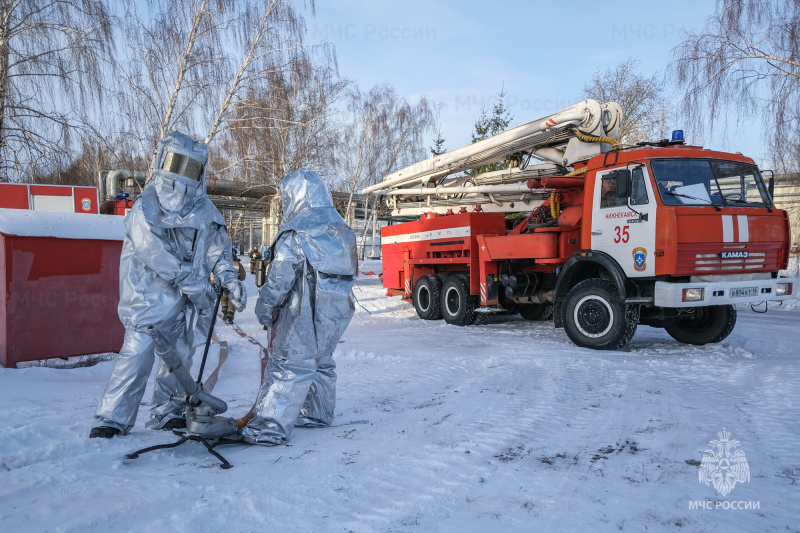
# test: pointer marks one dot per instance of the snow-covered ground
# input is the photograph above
(502, 427)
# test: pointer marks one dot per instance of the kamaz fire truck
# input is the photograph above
(556, 214)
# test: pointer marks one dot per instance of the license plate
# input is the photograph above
(742, 293)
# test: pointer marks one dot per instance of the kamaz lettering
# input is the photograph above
(735, 255)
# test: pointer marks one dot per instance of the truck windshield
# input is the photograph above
(709, 182)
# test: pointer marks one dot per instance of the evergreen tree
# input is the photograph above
(482, 127)
(438, 145)
(501, 116)
(489, 125)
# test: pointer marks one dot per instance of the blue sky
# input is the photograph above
(460, 53)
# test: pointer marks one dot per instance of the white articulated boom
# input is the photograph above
(557, 141)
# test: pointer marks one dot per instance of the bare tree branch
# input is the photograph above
(51, 58)
(645, 110)
(746, 63)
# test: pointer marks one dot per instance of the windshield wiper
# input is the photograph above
(745, 202)
(705, 202)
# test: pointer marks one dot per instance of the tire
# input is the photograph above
(457, 304)
(480, 319)
(595, 318)
(536, 311)
(713, 324)
(426, 298)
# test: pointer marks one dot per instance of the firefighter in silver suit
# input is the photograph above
(226, 306)
(307, 304)
(175, 239)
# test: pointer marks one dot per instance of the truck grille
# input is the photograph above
(707, 258)
(713, 262)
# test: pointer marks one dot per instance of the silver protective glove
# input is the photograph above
(237, 294)
(199, 291)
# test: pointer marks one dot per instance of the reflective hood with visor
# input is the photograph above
(177, 195)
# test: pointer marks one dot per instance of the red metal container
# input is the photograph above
(59, 289)
(58, 198)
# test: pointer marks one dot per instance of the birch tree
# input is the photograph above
(745, 63)
(52, 54)
(645, 110)
(172, 53)
(203, 57)
(268, 39)
(288, 124)
(381, 133)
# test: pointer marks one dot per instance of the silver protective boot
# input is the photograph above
(293, 393)
(307, 302)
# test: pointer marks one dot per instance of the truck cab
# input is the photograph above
(687, 233)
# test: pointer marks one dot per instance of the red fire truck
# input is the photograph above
(661, 234)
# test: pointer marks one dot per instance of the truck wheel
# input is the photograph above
(595, 318)
(712, 324)
(536, 311)
(480, 319)
(458, 305)
(426, 298)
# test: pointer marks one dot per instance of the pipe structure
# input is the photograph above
(109, 179)
(498, 177)
(239, 188)
(555, 182)
(441, 191)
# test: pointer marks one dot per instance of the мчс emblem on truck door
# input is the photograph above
(639, 259)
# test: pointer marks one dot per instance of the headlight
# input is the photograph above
(693, 295)
(783, 289)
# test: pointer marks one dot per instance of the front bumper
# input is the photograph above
(722, 292)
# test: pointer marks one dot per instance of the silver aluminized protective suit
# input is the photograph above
(175, 238)
(307, 302)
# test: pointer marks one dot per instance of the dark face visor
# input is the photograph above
(185, 166)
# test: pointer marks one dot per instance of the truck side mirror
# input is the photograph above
(770, 183)
(623, 183)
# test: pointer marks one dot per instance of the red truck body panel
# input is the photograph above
(413, 249)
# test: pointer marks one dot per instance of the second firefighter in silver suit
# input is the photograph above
(307, 304)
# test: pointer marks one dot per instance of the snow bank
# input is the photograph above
(792, 269)
(24, 223)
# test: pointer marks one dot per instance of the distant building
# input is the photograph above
(787, 197)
